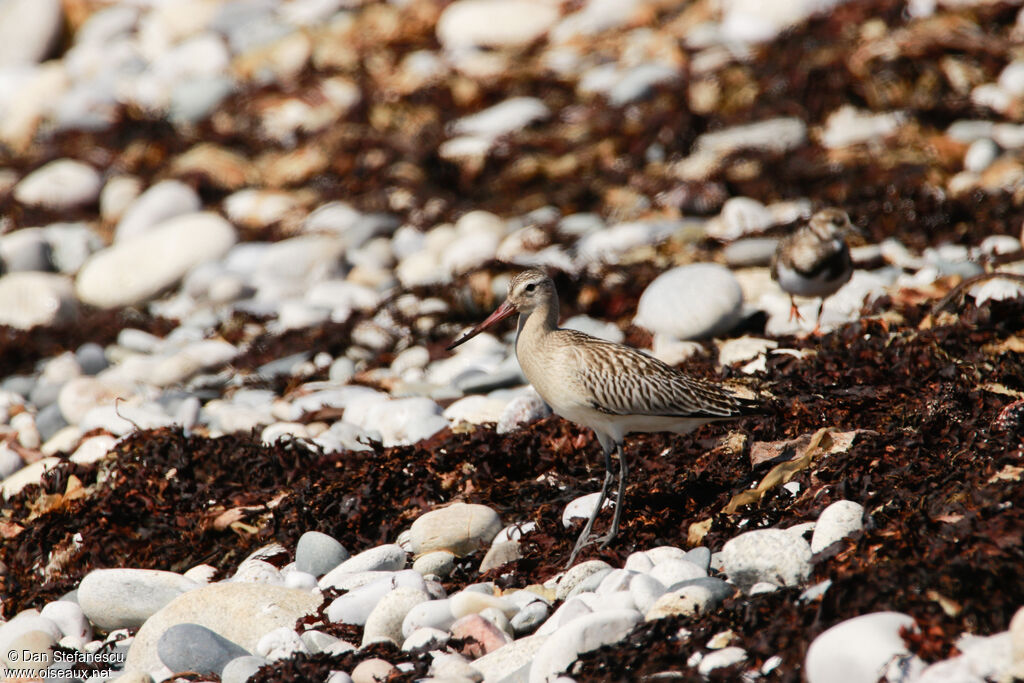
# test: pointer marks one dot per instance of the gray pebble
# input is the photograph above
(191, 647)
(50, 420)
(18, 384)
(529, 618)
(25, 249)
(317, 553)
(91, 358)
(699, 556)
(44, 394)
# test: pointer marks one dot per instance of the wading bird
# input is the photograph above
(613, 389)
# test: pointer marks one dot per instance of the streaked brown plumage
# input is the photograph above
(814, 261)
(613, 389)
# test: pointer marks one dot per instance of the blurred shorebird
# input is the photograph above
(815, 260)
(613, 389)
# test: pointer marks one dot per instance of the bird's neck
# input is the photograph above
(537, 323)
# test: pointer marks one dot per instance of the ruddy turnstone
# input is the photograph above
(814, 261)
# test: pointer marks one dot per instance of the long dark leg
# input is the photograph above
(620, 498)
(581, 542)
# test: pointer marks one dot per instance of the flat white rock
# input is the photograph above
(28, 30)
(861, 650)
(400, 422)
(140, 269)
(240, 612)
(771, 555)
(126, 597)
(460, 528)
(837, 521)
(691, 302)
(161, 202)
(29, 299)
(580, 635)
(385, 621)
(494, 23)
(60, 184)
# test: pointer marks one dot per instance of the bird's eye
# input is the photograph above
(530, 287)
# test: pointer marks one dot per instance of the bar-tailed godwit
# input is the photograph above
(613, 389)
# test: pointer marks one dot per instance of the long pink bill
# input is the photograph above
(504, 311)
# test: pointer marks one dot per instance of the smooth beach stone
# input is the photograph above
(25, 249)
(137, 270)
(673, 571)
(460, 528)
(837, 521)
(771, 555)
(60, 184)
(241, 669)
(689, 597)
(529, 618)
(27, 629)
(373, 671)
(385, 621)
(697, 301)
(426, 638)
(438, 563)
(453, 667)
(191, 647)
(27, 475)
(573, 608)
(240, 612)
(494, 23)
(281, 643)
(117, 195)
(860, 650)
(577, 574)
(30, 650)
(126, 598)
(435, 614)
(645, 590)
(580, 635)
(511, 662)
(355, 606)
(699, 556)
(28, 30)
(500, 554)
(582, 507)
(30, 299)
(389, 557)
(471, 601)
(400, 422)
(317, 553)
(727, 656)
(69, 618)
(487, 635)
(164, 200)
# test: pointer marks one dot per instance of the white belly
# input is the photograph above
(618, 426)
(794, 283)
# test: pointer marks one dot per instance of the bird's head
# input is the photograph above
(526, 291)
(831, 223)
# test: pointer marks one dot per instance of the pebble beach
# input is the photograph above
(238, 236)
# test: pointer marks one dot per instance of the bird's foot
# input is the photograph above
(581, 543)
(606, 540)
